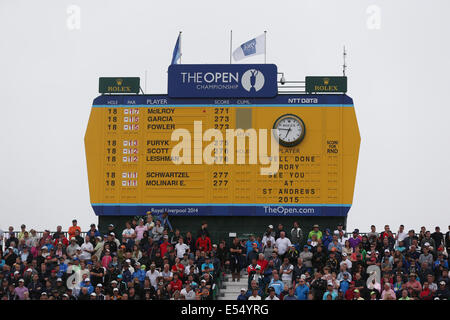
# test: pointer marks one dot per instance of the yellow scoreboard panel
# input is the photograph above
(131, 167)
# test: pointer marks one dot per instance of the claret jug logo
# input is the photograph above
(252, 80)
(119, 82)
(326, 81)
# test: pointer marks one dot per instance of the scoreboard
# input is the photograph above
(131, 167)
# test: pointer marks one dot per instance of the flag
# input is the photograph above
(250, 48)
(177, 50)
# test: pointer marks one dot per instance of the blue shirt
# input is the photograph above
(278, 285)
(333, 295)
(302, 292)
(140, 274)
(345, 284)
(165, 221)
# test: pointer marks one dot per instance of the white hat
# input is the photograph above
(29, 270)
(59, 279)
(330, 283)
(128, 260)
(243, 289)
(270, 226)
(16, 272)
(93, 294)
(427, 244)
(21, 280)
(87, 280)
(99, 285)
(386, 250)
(115, 289)
(344, 254)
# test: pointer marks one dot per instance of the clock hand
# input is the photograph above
(287, 133)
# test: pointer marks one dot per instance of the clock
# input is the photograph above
(290, 130)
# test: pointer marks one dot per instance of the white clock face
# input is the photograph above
(290, 130)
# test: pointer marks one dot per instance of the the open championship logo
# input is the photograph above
(252, 80)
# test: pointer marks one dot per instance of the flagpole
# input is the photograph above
(265, 46)
(180, 47)
(231, 43)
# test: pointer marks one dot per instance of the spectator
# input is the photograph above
(296, 235)
(282, 244)
(74, 227)
(315, 231)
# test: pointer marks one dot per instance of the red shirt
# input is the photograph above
(176, 285)
(205, 244)
(163, 248)
(263, 264)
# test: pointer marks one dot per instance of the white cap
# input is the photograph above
(29, 270)
(243, 289)
(330, 283)
(16, 272)
(115, 289)
(99, 285)
(344, 254)
(93, 294)
(128, 260)
(59, 279)
(270, 226)
(87, 280)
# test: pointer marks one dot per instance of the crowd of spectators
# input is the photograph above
(332, 266)
(150, 260)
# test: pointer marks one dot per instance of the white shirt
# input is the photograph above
(85, 248)
(128, 233)
(153, 276)
(266, 238)
(181, 249)
(269, 298)
(400, 237)
(254, 298)
(286, 276)
(282, 245)
(188, 295)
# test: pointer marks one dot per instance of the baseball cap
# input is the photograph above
(115, 289)
(315, 226)
(243, 289)
(344, 254)
(442, 283)
(270, 226)
(93, 294)
(59, 279)
(356, 290)
(386, 250)
(114, 281)
(329, 283)
(111, 225)
(16, 272)
(87, 280)
(166, 236)
(128, 260)
(99, 285)
(21, 280)
(258, 267)
(356, 231)
(112, 234)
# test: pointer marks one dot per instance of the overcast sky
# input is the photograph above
(399, 71)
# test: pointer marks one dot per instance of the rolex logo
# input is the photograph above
(119, 82)
(326, 81)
